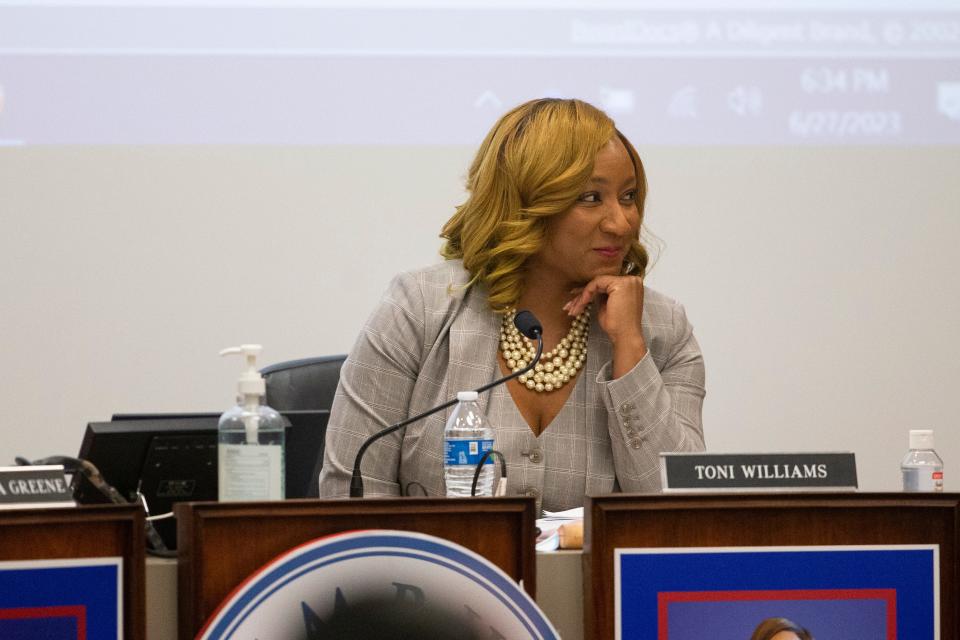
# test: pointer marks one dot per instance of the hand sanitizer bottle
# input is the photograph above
(250, 442)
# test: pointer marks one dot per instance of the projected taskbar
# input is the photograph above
(173, 74)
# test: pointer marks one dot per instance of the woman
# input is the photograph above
(551, 225)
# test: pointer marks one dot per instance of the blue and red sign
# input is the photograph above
(850, 592)
(70, 599)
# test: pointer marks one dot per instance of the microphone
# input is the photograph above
(90, 471)
(526, 323)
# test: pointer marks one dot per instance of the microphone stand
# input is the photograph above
(356, 480)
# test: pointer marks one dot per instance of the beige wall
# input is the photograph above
(821, 282)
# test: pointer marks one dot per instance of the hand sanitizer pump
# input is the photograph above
(250, 442)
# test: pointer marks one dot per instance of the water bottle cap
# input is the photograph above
(467, 396)
(921, 439)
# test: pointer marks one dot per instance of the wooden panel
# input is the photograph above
(763, 520)
(220, 544)
(84, 532)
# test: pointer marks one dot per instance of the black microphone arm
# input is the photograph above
(526, 323)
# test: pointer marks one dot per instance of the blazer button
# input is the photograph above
(533, 493)
(634, 444)
(536, 457)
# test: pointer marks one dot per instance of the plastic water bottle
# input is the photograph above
(466, 438)
(922, 468)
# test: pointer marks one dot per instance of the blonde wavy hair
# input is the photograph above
(532, 165)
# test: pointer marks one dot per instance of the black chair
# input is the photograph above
(307, 384)
(304, 386)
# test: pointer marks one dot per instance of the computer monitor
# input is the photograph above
(173, 457)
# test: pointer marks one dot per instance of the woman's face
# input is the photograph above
(593, 236)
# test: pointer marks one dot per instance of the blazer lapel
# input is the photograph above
(474, 340)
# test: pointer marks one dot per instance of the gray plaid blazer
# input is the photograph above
(430, 337)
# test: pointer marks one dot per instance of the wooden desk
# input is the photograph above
(761, 520)
(94, 531)
(211, 535)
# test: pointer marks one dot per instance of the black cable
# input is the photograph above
(483, 460)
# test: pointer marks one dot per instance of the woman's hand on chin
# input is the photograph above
(619, 311)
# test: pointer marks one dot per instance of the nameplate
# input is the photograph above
(31, 487)
(757, 471)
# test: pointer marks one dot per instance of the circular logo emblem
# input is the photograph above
(311, 589)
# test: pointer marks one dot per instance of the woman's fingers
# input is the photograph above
(599, 286)
(619, 305)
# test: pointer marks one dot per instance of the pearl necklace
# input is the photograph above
(556, 367)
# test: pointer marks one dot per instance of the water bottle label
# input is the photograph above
(922, 480)
(466, 452)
